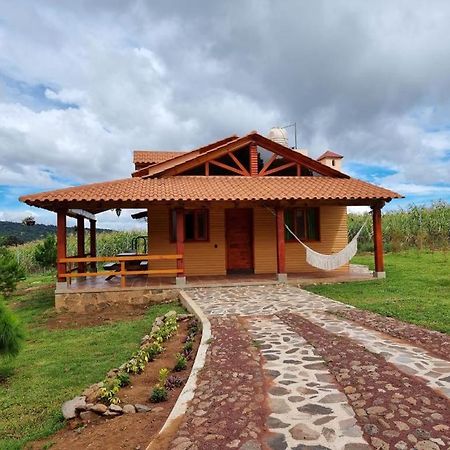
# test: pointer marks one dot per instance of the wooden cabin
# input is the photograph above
(221, 209)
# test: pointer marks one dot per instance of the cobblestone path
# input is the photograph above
(330, 383)
(229, 408)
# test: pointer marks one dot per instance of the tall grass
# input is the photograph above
(108, 244)
(418, 227)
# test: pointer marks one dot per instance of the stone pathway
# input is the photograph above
(229, 408)
(257, 300)
(295, 332)
(394, 409)
(305, 402)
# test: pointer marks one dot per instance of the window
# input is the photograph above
(195, 225)
(304, 222)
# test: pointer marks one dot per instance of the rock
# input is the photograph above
(379, 444)
(421, 434)
(110, 414)
(157, 409)
(116, 408)
(376, 410)
(314, 409)
(112, 373)
(185, 316)
(141, 408)
(170, 314)
(70, 407)
(129, 409)
(402, 445)
(87, 416)
(92, 393)
(302, 432)
(99, 408)
(145, 339)
(370, 429)
(349, 390)
(426, 445)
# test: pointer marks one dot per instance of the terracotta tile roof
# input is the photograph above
(214, 188)
(153, 156)
(329, 154)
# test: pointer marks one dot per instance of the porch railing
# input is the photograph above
(122, 270)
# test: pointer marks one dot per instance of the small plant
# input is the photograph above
(137, 362)
(181, 363)
(11, 272)
(108, 393)
(173, 382)
(159, 394)
(124, 379)
(153, 350)
(163, 374)
(187, 348)
(256, 343)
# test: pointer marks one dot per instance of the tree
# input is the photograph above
(11, 240)
(10, 272)
(45, 252)
(11, 333)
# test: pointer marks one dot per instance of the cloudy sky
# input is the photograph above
(84, 83)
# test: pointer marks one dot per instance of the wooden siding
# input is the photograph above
(203, 258)
(333, 237)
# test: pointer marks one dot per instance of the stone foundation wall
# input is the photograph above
(86, 302)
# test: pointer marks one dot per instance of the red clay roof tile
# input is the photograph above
(215, 188)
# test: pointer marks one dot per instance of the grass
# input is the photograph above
(416, 290)
(56, 365)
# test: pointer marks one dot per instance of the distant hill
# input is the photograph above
(14, 231)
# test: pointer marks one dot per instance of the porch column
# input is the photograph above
(61, 244)
(181, 279)
(93, 243)
(80, 243)
(378, 242)
(281, 246)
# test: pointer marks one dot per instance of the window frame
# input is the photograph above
(288, 236)
(196, 212)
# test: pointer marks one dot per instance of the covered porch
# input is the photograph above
(163, 263)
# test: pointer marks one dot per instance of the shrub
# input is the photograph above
(153, 350)
(159, 394)
(11, 272)
(181, 363)
(45, 252)
(173, 382)
(11, 333)
(124, 379)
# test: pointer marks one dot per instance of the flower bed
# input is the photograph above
(102, 399)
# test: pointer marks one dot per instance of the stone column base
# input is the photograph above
(282, 277)
(180, 281)
(379, 274)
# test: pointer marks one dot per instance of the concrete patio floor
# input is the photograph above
(329, 383)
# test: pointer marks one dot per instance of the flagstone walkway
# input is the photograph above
(330, 383)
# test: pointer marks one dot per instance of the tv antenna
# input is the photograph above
(295, 131)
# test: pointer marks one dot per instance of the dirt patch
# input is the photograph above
(130, 431)
(112, 314)
(433, 342)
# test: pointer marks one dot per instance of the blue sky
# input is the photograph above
(82, 84)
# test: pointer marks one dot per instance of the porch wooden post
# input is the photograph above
(253, 159)
(281, 245)
(180, 245)
(93, 243)
(80, 243)
(61, 244)
(378, 242)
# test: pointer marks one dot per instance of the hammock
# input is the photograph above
(328, 262)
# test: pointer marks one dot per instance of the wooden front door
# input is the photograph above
(239, 239)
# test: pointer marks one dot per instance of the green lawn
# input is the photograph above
(416, 290)
(56, 365)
